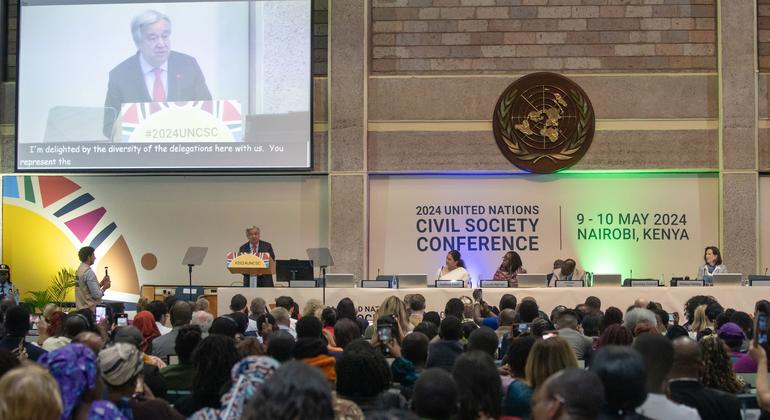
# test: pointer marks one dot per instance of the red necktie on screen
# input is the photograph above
(158, 94)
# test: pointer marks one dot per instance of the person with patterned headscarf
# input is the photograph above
(104, 410)
(247, 376)
(74, 368)
(121, 368)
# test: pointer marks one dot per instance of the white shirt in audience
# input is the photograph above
(163, 329)
(658, 407)
(290, 330)
(53, 343)
(252, 326)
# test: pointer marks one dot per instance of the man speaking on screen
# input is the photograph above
(155, 73)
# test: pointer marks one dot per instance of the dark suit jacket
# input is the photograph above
(126, 85)
(262, 246)
(11, 343)
(443, 353)
(711, 404)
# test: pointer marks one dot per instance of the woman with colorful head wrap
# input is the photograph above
(74, 368)
(247, 376)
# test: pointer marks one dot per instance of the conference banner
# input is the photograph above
(638, 225)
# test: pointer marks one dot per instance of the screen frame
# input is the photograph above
(164, 171)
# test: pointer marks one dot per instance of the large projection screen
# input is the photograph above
(164, 86)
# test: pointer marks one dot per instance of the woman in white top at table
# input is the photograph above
(567, 271)
(454, 268)
(713, 259)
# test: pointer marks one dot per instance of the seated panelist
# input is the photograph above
(510, 267)
(713, 265)
(454, 268)
(568, 271)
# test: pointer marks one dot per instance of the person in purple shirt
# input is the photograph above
(746, 364)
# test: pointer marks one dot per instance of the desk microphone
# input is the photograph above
(378, 271)
(765, 271)
(632, 273)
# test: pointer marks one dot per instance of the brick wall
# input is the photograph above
(420, 36)
(11, 46)
(763, 34)
(320, 36)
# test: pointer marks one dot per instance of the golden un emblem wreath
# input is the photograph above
(543, 122)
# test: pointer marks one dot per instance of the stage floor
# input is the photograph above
(367, 300)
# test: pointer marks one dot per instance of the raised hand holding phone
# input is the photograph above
(761, 328)
(757, 352)
(21, 352)
(100, 313)
(477, 295)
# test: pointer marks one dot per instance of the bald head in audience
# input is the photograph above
(507, 317)
(688, 360)
(90, 340)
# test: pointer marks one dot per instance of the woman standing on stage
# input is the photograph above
(454, 268)
(510, 267)
(713, 259)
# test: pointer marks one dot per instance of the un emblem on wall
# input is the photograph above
(543, 123)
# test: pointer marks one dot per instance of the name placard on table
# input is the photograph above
(569, 283)
(644, 283)
(305, 284)
(689, 283)
(499, 284)
(450, 283)
(375, 284)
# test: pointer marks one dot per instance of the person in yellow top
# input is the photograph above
(89, 291)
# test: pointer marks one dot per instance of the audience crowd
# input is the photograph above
(474, 361)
